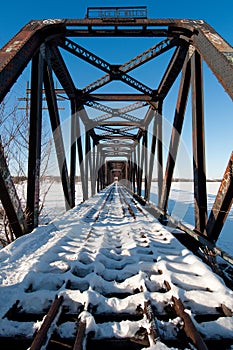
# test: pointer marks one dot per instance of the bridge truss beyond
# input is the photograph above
(116, 132)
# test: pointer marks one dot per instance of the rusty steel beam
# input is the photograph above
(152, 155)
(127, 79)
(10, 200)
(57, 135)
(116, 74)
(15, 55)
(159, 134)
(116, 152)
(80, 154)
(113, 70)
(117, 134)
(42, 334)
(101, 172)
(73, 151)
(120, 149)
(132, 107)
(34, 146)
(120, 130)
(109, 135)
(96, 84)
(134, 170)
(145, 145)
(86, 160)
(172, 71)
(222, 204)
(118, 97)
(61, 71)
(142, 160)
(116, 142)
(149, 54)
(139, 170)
(199, 166)
(154, 327)
(176, 133)
(129, 117)
(78, 344)
(130, 172)
(94, 164)
(97, 172)
(189, 326)
(134, 125)
(101, 118)
(99, 106)
(22, 47)
(217, 53)
(85, 55)
(135, 62)
(57, 63)
(119, 31)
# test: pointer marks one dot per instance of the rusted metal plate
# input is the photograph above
(217, 53)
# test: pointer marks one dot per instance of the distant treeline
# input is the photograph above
(18, 179)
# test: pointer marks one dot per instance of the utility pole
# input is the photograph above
(27, 99)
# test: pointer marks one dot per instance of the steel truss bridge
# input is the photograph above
(116, 131)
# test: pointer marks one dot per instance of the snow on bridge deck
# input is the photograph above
(105, 257)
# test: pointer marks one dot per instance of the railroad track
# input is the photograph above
(115, 277)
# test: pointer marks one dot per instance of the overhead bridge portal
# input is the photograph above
(127, 125)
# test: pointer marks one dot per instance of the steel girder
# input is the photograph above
(35, 131)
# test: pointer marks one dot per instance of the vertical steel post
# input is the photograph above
(128, 165)
(86, 162)
(146, 195)
(131, 170)
(98, 168)
(34, 154)
(176, 133)
(93, 174)
(89, 166)
(152, 155)
(80, 157)
(142, 162)
(57, 134)
(222, 204)
(134, 169)
(73, 152)
(199, 166)
(102, 171)
(126, 170)
(138, 168)
(159, 134)
(10, 199)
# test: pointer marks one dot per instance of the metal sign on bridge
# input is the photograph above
(117, 12)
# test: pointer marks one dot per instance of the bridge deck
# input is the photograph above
(118, 278)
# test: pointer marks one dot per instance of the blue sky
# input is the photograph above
(218, 105)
